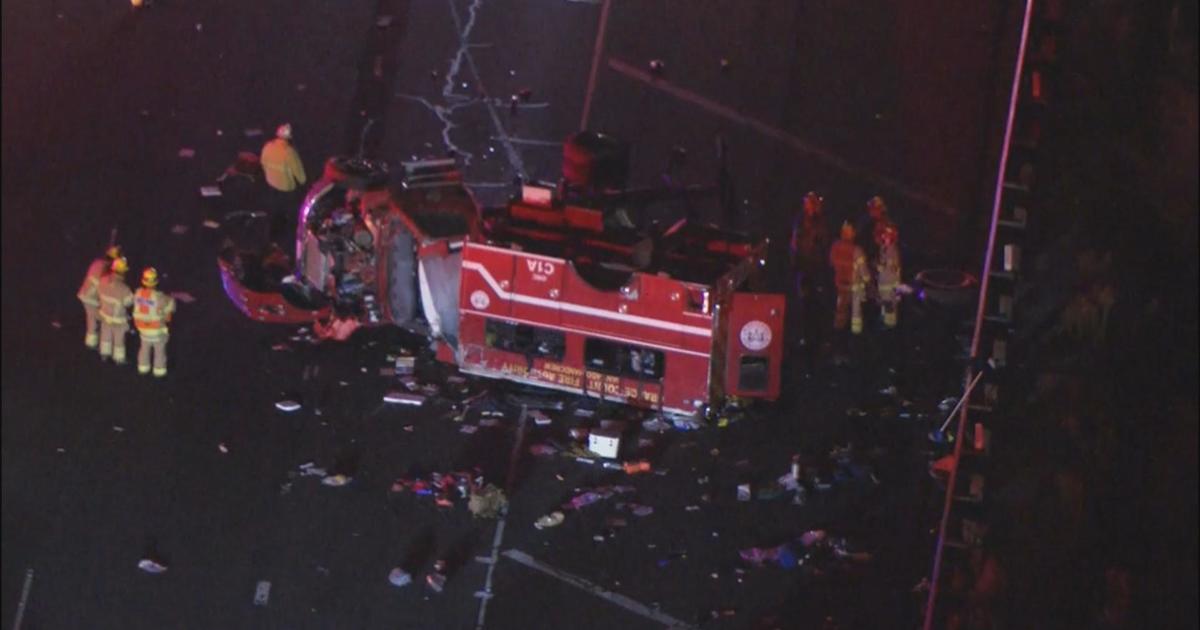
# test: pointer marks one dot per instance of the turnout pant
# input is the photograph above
(112, 340)
(849, 307)
(889, 305)
(152, 348)
(91, 336)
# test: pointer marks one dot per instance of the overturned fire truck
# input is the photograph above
(556, 289)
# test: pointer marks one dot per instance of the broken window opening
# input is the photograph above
(625, 360)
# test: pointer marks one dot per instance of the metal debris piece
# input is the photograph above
(468, 429)
(150, 566)
(336, 481)
(210, 224)
(399, 577)
(402, 398)
(288, 405)
(118, 429)
(210, 191)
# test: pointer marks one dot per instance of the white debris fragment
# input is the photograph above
(262, 593)
(199, 27)
(252, 132)
(210, 191)
(56, 324)
(221, 447)
(118, 429)
(288, 405)
(383, 21)
(150, 566)
(335, 480)
(399, 577)
(210, 224)
(468, 429)
(179, 229)
(402, 398)
(187, 153)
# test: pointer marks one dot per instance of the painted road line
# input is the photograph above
(486, 594)
(580, 583)
(796, 143)
(24, 599)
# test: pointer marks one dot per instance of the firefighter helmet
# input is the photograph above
(813, 203)
(150, 277)
(284, 131)
(876, 205)
(847, 231)
(113, 252)
(119, 265)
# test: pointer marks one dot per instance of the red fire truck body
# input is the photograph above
(551, 299)
(562, 294)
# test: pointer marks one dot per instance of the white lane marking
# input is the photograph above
(796, 143)
(582, 310)
(486, 594)
(514, 158)
(24, 599)
(595, 589)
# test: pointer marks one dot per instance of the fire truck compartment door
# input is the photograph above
(755, 345)
(439, 278)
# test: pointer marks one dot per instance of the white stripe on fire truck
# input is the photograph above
(582, 310)
(590, 333)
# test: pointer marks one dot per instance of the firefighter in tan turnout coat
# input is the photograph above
(89, 295)
(115, 300)
(152, 311)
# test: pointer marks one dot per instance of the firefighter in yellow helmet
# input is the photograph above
(115, 300)
(152, 311)
(89, 294)
(850, 276)
(887, 269)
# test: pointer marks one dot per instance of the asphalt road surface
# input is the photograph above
(101, 466)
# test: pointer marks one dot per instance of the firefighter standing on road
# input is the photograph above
(89, 294)
(152, 311)
(285, 173)
(887, 268)
(115, 300)
(870, 226)
(850, 275)
(807, 248)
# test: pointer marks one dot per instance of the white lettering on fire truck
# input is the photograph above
(541, 269)
(480, 300)
(755, 335)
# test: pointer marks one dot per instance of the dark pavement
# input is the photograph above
(98, 100)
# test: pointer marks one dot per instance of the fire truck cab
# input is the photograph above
(573, 298)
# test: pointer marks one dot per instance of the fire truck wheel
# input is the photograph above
(357, 173)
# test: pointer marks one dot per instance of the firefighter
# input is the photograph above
(89, 294)
(887, 269)
(850, 275)
(115, 300)
(807, 248)
(152, 311)
(284, 172)
(870, 226)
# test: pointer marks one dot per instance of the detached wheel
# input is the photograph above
(357, 173)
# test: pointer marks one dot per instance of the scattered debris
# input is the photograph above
(468, 429)
(56, 324)
(210, 224)
(383, 21)
(183, 296)
(743, 492)
(262, 593)
(151, 566)
(399, 577)
(210, 191)
(604, 443)
(487, 502)
(402, 398)
(595, 495)
(657, 66)
(436, 580)
(179, 229)
(118, 429)
(287, 405)
(187, 153)
(553, 519)
(253, 132)
(336, 481)
(224, 449)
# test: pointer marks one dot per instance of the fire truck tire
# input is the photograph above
(357, 173)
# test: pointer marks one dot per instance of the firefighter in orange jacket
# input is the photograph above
(152, 311)
(887, 269)
(851, 276)
(89, 294)
(115, 300)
